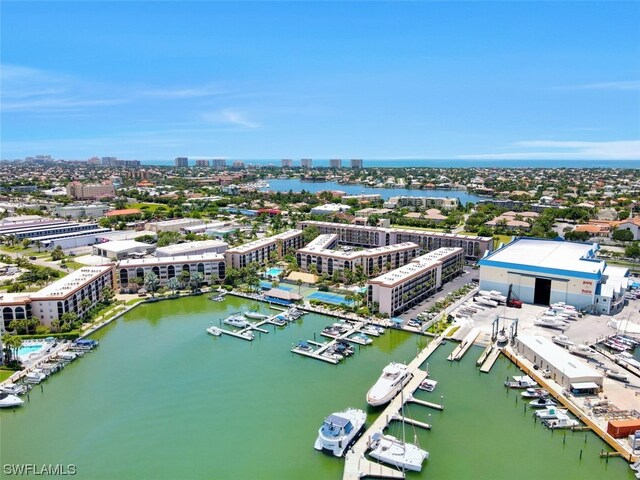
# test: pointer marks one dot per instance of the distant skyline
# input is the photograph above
(269, 80)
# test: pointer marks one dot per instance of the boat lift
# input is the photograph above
(495, 327)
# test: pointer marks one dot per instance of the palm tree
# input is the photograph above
(151, 282)
(173, 284)
(196, 280)
(299, 283)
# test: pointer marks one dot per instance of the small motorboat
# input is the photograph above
(362, 337)
(369, 330)
(628, 359)
(549, 413)
(550, 322)
(428, 385)
(237, 320)
(394, 377)
(339, 430)
(279, 320)
(255, 315)
(215, 331)
(562, 340)
(534, 393)
(8, 401)
(583, 351)
(617, 375)
(521, 382)
(502, 338)
(34, 377)
(562, 420)
(304, 346)
(542, 402)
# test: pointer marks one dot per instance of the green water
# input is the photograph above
(162, 399)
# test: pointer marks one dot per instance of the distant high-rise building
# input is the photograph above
(81, 191)
(335, 163)
(238, 164)
(286, 163)
(108, 160)
(182, 162)
(94, 161)
(219, 163)
(202, 163)
(306, 163)
(356, 163)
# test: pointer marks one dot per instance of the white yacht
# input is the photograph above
(617, 375)
(339, 430)
(400, 454)
(542, 402)
(237, 320)
(534, 393)
(626, 357)
(562, 340)
(35, 376)
(394, 377)
(14, 389)
(583, 351)
(256, 315)
(548, 321)
(215, 331)
(7, 400)
(550, 413)
(524, 381)
(369, 330)
(562, 420)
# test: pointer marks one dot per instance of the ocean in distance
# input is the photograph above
(445, 163)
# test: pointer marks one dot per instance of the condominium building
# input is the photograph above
(219, 163)
(211, 265)
(286, 163)
(306, 163)
(202, 163)
(238, 164)
(423, 202)
(260, 250)
(335, 163)
(181, 162)
(368, 237)
(81, 191)
(356, 163)
(66, 295)
(403, 288)
(322, 254)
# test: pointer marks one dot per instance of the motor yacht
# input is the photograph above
(14, 388)
(562, 420)
(237, 320)
(369, 330)
(362, 337)
(548, 413)
(562, 340)
(255, 315)
(35, 376)
(548, 321)
(339, 430)
(396, 452)
(617, 375)
(534, 393)
(628, 359)
(542, 402)
(521, 382)
(8, 401)
(583, 351)
(394, 377)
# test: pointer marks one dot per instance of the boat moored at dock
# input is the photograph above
(396, 452)
(520, 382)
(394, 377)
(215, 331)
(339, 430)
(9, 401)
(237, 320)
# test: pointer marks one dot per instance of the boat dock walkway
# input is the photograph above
(490, 360)
(461, 349)
(356, 465)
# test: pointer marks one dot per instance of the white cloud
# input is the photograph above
(185, 92)
(616, 85)
(566, 150)
(228, 116)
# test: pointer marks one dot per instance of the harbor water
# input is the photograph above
(162, 399)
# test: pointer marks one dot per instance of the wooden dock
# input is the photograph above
(484, 355)
(424, 403)
(490, 360)
(356, 464)
(464, 346)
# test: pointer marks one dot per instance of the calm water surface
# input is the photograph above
(162, 399)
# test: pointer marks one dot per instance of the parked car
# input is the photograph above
(33, 258)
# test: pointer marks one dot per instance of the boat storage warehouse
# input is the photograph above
(549, 271)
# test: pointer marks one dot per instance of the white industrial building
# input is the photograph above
(171, 225)
(548, 271)
(565, 369)
(119, 249)
(329, 209)
(77, 211)
(192, 248)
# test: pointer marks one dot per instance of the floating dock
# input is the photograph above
(356, 465)
(490, 360)
(464, 346)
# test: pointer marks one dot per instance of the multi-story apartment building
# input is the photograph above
(66, 295)
(202, 163)
(219, 163)
(335, 163)
(211, 265)
(423, 202)
(369, 237)
(181, 162)
(286, 163)
(260, 250)
(356, 163)
(403, 288)
(322, 254)
(81, 191)
(306, 163)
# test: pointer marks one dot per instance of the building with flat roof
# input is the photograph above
(202, 163)
(82, 191)
(306, 163)
(211, 265)
(335, 163)
(123, 212)
(548, 271)
(171, 225)
(219, 163)
(356, 163)
(368, 237)
(329, 209)
(566, 369)
(181, 162)
(77, 211)
(192, 248)
(119, 249)
(73, 239)
(323, 254)
(286, 163)
(260, 250)
(422, 202)
(403, 288)
(66, 295)
(45, 229)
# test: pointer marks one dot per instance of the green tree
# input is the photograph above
(622, 235)
(173, 284)
(10, 346)
(196, 280)
(57, 254)
(151, 283)
(632, 250)
(310, 233)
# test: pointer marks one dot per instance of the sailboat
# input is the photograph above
(396, 452)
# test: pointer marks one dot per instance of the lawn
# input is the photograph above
(497, 238)
(150, 207)
(4, 374)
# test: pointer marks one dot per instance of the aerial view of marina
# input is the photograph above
(320, 240)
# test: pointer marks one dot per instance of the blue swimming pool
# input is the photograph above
(274, 272)
(26, 350)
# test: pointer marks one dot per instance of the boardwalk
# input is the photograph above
(356, 464)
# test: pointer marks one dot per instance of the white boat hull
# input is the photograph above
(9, 401)
(333, 439)
(386, 388)
(405, 456)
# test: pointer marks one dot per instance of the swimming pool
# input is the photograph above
(26, 350)
(274, 272)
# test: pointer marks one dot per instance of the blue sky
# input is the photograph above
(381, 80)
